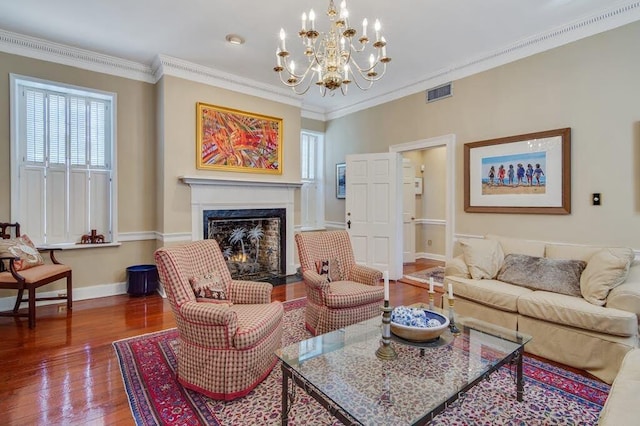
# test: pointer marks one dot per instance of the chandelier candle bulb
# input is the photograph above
(431, 284)
(312, 19)
(450, 291)
(364, 28)
(304, 22)
(377, 26)
(282, 37)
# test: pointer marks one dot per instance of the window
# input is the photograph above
(312, 193)
(62, 160)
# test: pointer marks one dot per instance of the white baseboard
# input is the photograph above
(82, 293)
(432, 256)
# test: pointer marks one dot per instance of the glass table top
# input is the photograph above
(343, 366)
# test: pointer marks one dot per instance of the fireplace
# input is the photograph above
(216, 194)
(252, 240)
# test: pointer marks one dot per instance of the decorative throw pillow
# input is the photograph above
(483, 257)
(540, 273)
(209, 286)
(605, 270)
(23, 248)
(331, 268)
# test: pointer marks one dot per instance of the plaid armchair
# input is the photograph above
(226, 346)
(339, 291)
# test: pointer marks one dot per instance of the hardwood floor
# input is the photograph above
(65, 371)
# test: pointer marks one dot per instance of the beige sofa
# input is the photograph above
(622, 408)
(592, 330)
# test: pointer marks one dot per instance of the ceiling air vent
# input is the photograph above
(442, 91)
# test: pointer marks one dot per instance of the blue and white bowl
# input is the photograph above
(416, 324)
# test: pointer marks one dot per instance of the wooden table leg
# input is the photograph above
(519, 375)
(285, 395)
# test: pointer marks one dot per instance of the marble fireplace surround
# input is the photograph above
(230, 194)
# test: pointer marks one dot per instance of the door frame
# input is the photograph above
(448, 141)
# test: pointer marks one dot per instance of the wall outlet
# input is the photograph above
(62, 308)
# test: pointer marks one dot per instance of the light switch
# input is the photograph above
(596, 198)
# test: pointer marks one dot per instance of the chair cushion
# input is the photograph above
(348, 294)
(496, 294)
(576, 312)
(483, 257)
(539, 273)
(35, 275)
(331, 268)
(255, 322)
(23, 248)
(209, 286)
(606, 269)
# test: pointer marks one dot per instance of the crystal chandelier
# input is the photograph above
(331, 56)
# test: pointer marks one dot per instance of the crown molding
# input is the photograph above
(168, 65)
(46, 50)
(32, 47)
(606, 20)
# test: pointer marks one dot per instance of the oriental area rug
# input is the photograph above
(437, 273)
(553, 396)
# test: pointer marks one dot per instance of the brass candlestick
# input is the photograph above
(431, 294)
(452, 322)
(386, 351)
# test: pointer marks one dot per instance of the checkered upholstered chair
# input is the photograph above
(339, 291)
(226, 346)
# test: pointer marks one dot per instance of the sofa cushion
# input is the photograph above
(577, 312)
(518, 246)
(606, 269)
(492, 293)
(539, 273)
(570, 251)
(483, 257)
(457, 268)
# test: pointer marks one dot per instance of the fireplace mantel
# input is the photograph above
(199, 180)
(209, 193)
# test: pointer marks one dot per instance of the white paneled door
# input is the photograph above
(374, 210)
(408, 212)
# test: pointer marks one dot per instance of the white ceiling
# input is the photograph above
(430, 41)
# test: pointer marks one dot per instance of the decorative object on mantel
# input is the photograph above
(92, 238)
(331, 55)
(237, 141)
(528, 173)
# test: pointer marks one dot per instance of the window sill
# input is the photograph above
(74, 246)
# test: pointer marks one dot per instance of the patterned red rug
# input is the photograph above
(553, 396)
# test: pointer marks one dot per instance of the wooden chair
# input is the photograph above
(348, 294)
(32, 278)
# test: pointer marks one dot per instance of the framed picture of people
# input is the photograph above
(529, 173)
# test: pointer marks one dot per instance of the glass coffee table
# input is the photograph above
(342, 372)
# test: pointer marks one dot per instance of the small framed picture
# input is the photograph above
(341, 183)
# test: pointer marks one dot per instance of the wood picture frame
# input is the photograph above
(341, 180)
(544, 187)
(237, 141)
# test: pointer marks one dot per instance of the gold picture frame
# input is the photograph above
(237, 141)
(528, 173)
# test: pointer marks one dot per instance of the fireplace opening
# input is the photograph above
(252, 241)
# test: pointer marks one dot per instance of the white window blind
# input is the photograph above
(311, 192)
(64, 140)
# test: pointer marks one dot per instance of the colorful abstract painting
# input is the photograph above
(232, 140)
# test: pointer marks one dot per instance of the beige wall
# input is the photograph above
(136, 145)
(590, 85)
(178, 156)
